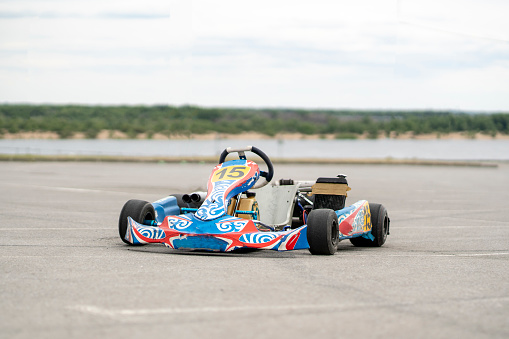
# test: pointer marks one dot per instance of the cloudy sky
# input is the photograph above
(419, 54)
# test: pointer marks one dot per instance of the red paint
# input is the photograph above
(290, 245)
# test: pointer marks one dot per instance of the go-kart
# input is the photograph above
(240, 210)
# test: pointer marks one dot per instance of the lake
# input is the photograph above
(438, 149)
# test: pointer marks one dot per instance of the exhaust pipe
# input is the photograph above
(195, 197)
(186, 198)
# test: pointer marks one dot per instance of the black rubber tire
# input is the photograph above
(139, 210)
(322, 232)
(380, 227)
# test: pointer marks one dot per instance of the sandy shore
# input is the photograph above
(106, 134)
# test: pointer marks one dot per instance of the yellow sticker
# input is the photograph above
(367, 218)
(230, 173)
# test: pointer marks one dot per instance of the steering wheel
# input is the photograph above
(266, 177)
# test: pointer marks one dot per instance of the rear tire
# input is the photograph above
(139, 211)
(380, 227)
(322, 232)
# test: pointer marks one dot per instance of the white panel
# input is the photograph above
(276, 204)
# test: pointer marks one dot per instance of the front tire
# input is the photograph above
(139, 211)
(323, 231)
(379, 227)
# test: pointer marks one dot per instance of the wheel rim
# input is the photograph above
(335, 232)
(385, 226)
(148, 216)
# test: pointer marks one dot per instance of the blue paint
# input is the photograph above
(302, 243)
(346, 210)
(369, 236)
(166, 206)
(200, 243)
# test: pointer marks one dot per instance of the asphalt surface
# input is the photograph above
(64, 272)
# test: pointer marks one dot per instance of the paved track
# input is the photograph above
(65, 273)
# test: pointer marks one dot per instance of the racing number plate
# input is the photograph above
(231, 173)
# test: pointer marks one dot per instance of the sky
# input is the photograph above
(329, 54)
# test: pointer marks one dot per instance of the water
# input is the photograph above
(341, 149)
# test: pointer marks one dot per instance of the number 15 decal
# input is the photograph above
(230, 173)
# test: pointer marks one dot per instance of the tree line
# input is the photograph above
(181, 120)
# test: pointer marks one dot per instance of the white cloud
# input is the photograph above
(471, 18)
(85, 8)
(335, 54)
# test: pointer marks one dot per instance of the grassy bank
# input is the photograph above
(70, 121)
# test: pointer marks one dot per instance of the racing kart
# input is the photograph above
(240, 210)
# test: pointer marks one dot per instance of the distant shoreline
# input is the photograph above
(115, 135)
(207, 159)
